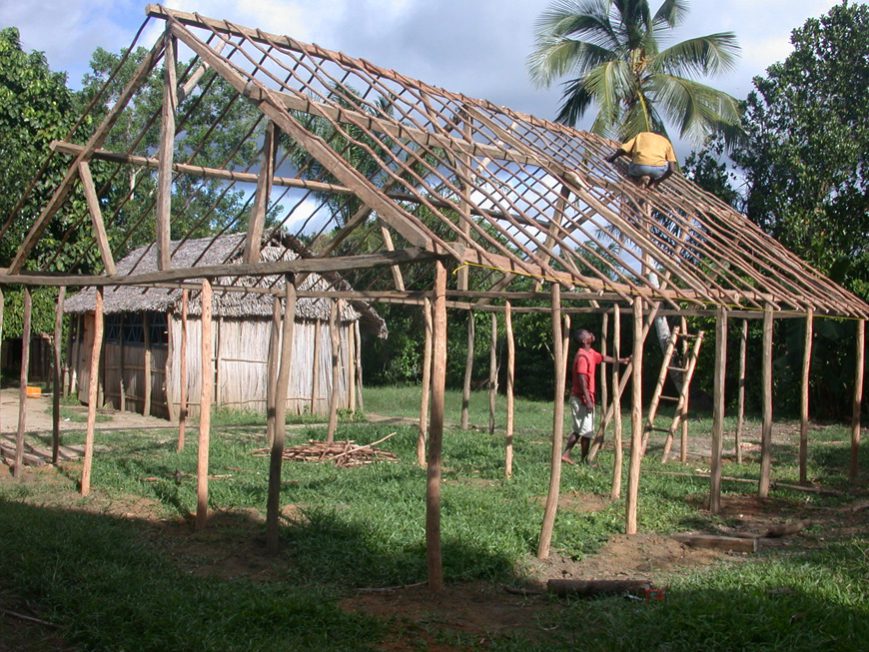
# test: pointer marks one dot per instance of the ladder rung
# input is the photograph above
(677, 368)
(659, 429)
(689, 336)
(669, 398)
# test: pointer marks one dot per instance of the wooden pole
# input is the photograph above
(169, 379)
(659, 387)
(858, 400)
(604, 379)
(93, 386)
(146, 329)
(618, 453)
(469, 371)
(273, 506)
(205, 395)
(57, 384)
(218, 350)
(426, 383)
(436, 432)
(167, 152)
(511, 371)
(804, 398)
(360, 401)
(350, 367)
(22, 391)
(740, 396)
(182, 373)
(680, 420)
(766, 427)
(493, 373)
(718, 409)
(636, 421)
(686, 392)
(272, 369)
(557, 427)
(315, 381)
(335, 338)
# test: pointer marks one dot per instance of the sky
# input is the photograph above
(476, 47)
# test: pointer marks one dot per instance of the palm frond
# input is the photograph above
(671, 13)
(706, 55)
(641, 116)
(609, 83)
(699, 110)
(576, 100)
(562, 56)
(587, 20)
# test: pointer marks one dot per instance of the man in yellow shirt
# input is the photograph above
(652, 158)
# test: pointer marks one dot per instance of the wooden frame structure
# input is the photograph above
(512, 202)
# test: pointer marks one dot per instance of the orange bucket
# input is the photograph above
(34, 392)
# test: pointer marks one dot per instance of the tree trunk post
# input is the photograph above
(804, 397)
(182, 373)
(205, 394)
(858, 400)
(436, 431)
(273, 506)
(511, 371)
(425, 394)
(718, 409)
(557, 427)
(493, 373)
(740, 396)
(272, 368)
(335, 339)
(93, 386)
(766, 427)
(636, 421)
(57, 377)
(360, 400)
(469, 371)
(315, 380)
(618, 453)
(146, 331)
(18, 470)
(604, 378)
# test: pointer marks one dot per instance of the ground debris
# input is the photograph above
(342, 453)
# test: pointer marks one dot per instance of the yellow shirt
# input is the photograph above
(647, 148)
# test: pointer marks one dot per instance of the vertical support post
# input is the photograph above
(436, 432)
(315, 380)
(123, 364)
(205, 395)
(469, 370)
(57, 377)
(167, 153)
(360, 401)
(169, 379)
(511, 371)
(858, 399)
(683, 413)
(273, 505)
(604, 380)
(182, 380)
(146, 328)
(636, 422)
(766, 426)
(335, 338)
(272, 368)
(256, 226)
(718, 409)
(551, 507)
(218, 350)
(426, 383)
(93, 385)
(350, 366)
(804, 397)
(22, 386)
(493, 373)
(740, 396)
(618, 453)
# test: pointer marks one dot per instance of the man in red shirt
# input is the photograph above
(582, 395)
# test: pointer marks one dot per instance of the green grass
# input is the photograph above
(116, 582)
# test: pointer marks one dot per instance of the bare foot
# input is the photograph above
(566, 459)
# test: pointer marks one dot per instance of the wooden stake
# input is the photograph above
(493, 373)
(604, 384)
(22, 391)
(360, 401)
(335, 338)
(740, 396)
(167, 151)
(469, 370)
(804, 398)
(436, 432)
(205, 394)
(426, 383)
(511, 371)
(57, 382)
(350, 367)
(766, 427)
(169, 368)
(146, 328)
(273, 506)
(315, 381)
(683, 414)
(618, 453)
(182, 380)
(557, 427)
(718, 410)
(272, 368)
(636, 421)
(93, 385)
(858, 399)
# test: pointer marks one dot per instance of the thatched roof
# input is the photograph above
(232, 304)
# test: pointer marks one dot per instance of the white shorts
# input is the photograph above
(583, 417)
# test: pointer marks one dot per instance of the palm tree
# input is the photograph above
(610, 50)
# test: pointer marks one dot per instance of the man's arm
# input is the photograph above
(611, 360)
(612, 157)
(670, 168)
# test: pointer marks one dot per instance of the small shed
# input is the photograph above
(140, 369)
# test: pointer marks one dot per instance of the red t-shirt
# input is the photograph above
(585, 364)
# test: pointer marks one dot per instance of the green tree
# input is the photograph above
(807, 127)
(611, 52)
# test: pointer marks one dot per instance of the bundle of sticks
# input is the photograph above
(346, 453)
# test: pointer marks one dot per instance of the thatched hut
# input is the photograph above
(143, 329)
